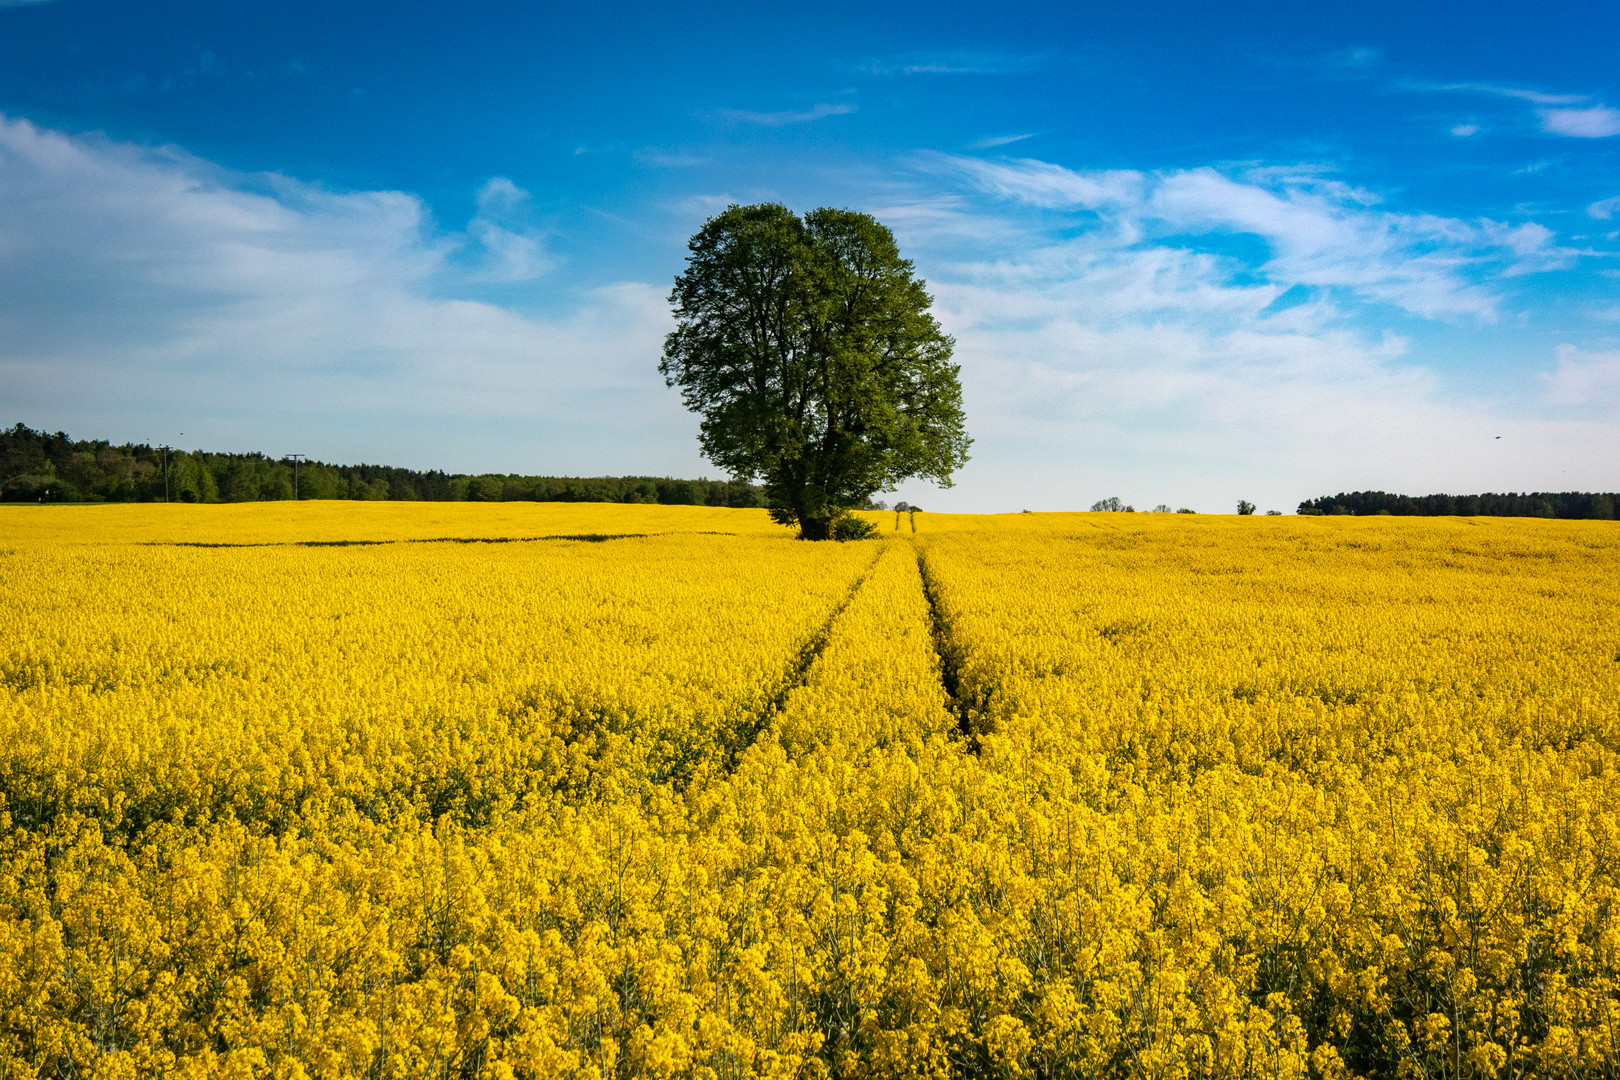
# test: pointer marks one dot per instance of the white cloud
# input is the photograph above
(1000, 140)
(1042, 184)
(1573, 115)
(499, 196)
(1604, 209)
(1358, 58)
(1595, 122)
(1590, 379)
(669, 159)
(152, 291)
(1318, 231)
(1535, 97)
(778, 119)
(958, 62)
(513, 250)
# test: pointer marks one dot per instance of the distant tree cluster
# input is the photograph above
(1548, 504)
(1113, 505)
(39, 467)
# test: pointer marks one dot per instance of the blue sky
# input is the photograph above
(1189, 254)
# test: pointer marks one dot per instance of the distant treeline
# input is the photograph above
(1548, 504)
(39, 467)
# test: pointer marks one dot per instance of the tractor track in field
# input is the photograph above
(798, 672)
(965, 708)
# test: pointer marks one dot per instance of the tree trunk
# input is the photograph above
(815, 528)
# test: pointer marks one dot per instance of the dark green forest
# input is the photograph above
(37, 467)
(1547, 504)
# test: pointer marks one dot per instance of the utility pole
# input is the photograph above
(295, 459)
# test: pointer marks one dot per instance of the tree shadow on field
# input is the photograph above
(587, 538)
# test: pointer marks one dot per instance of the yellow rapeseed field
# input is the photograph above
(546, 790)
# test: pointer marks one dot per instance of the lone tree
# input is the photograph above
(807, 347)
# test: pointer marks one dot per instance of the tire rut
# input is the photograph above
(798, 672)
(967, 708)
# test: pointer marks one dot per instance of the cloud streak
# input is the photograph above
(958, 62)
(669, 159)
(1569, 115)
(779, 119)
(994, 141)
(1535, 97)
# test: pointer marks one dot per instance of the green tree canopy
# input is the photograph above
(807, 348)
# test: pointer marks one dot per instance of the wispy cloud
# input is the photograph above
(1590, 379)
(1360, 56)
(512, 249)
(1353, 63)
(1317, 231)
(1604, 209)
(1041, 183)
(1356, 59)
(1571, 115)
(22, 3)
(1596, 122)
(1535, 97)
(669, 159)
(778, 119)
(1001, 140)
(958, 62)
